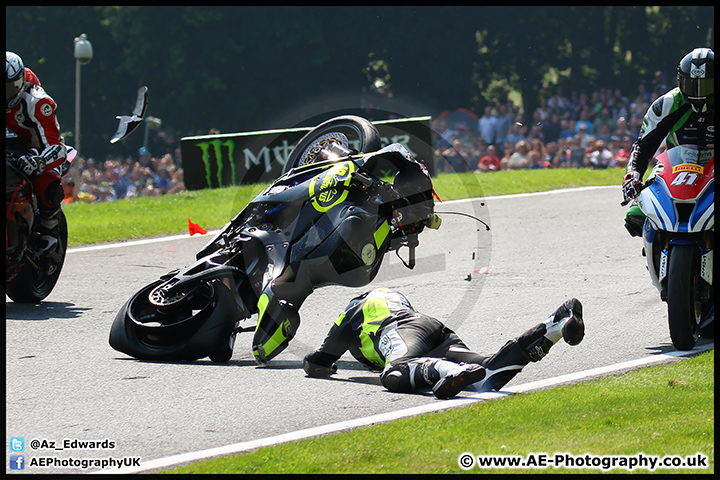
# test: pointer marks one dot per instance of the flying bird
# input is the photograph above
(128, 123)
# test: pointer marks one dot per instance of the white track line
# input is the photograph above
(182, 458)
(132, 243)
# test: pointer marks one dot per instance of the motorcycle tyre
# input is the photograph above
(212, 341)
(358, 127)
(225, 352)
(684, 307)
(33, 286)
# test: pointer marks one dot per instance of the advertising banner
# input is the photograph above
(212, 161)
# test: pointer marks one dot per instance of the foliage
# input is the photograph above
(253, 68)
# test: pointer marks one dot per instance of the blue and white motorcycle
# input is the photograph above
(679, 236)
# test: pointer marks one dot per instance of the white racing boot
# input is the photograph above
(456, 377)
(566, 323)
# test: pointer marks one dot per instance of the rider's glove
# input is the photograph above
(314, 369)
(632, 184)
(31, 164)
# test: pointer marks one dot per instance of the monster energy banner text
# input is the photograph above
(212, 161)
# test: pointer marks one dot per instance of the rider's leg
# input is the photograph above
(634, 221)
(566, 322)
(635, 218)
(446, 378)
(48, 188)
(424, 353)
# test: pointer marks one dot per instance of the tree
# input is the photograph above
(252, 68)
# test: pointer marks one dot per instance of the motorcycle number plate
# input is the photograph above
(369, 254)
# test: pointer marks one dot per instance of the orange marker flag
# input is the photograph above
(195, 228)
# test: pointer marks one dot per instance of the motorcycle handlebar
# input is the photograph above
(643, 186)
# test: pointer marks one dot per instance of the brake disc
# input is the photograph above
(160, 298)
(312, 152)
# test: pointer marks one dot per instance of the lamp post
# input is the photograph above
(83, 55)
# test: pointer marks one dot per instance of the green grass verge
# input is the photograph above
(211, 209)
(657, 411)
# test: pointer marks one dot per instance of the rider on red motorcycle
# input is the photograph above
(683, 116)
(30, 113)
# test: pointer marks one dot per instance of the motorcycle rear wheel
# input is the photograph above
(345, 127)
(32, 285)
(683, 299)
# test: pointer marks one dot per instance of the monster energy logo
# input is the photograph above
(265, 157)
(224, 150)
(217, 145)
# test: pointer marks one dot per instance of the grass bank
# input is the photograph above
(211, 209)
(660, 411)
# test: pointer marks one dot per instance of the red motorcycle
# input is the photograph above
(30, 272)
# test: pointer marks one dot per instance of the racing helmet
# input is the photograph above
(14, 79)
(696, 79)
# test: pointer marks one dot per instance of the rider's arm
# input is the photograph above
(663, 116)
(54, 152)
(46, 128)
(321, 362)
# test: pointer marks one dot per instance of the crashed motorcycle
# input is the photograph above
(341, 205)
(31, 272)
(678, 239)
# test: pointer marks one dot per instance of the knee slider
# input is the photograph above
(275, 329)
(49, 190)
(54, 193)
(634, 221)
(396, 378)
(634, 225)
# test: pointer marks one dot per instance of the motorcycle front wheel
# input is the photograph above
(342, 130)
(195, 323)
(683, 299)
(36, 280)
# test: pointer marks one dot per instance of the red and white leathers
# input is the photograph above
(33, 120)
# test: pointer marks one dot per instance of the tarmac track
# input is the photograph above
(64, 381)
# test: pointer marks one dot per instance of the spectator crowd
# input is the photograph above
(93, 181)
(575, 130)
(578, 130)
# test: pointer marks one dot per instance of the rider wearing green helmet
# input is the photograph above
(683, 116)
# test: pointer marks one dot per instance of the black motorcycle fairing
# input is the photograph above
(326, 222)
(278, 319)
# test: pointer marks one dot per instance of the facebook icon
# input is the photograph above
(17, 462)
